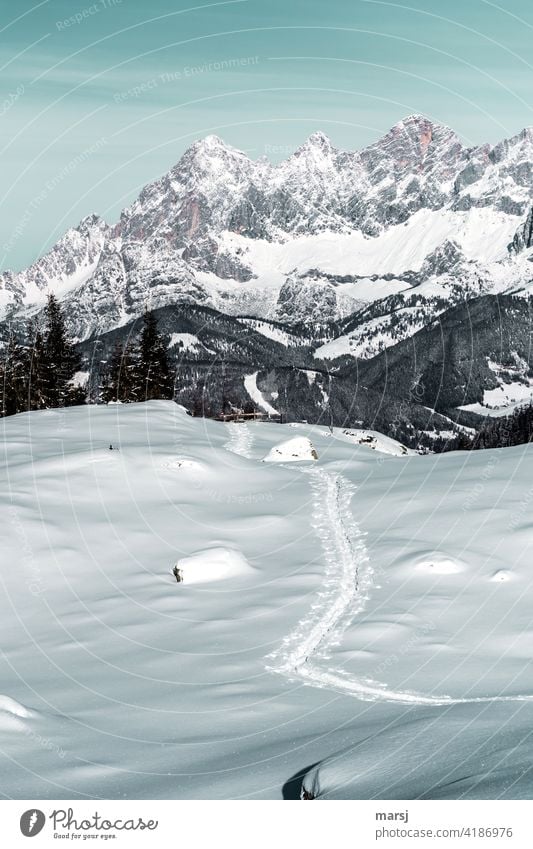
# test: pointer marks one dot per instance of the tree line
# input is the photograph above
(505, 431)
(495, 432)
(40, 367)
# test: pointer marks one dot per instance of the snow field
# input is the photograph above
(392, 593)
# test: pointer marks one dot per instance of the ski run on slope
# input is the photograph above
(250, 384)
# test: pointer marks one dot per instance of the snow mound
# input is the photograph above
(299, 448)
(213, 564)
(501, 575)
(439, 564)
(10, 706)
(186, 464)
(11, 714)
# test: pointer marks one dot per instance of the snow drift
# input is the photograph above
(462, 756)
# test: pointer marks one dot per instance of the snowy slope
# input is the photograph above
(473, 754)
(360, 596)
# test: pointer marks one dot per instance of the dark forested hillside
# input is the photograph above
(209, 361)
(448, 364)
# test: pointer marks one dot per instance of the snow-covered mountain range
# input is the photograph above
(394, 233)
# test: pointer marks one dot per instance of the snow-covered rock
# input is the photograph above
(213, 564)
(292, 450)
(372, 439)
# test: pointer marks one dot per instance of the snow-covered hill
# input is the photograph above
(314, 238)
(356, 603)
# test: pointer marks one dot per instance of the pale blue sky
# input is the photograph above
(78, 138)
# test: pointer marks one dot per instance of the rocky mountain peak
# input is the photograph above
(316, 156)
(515, 148)
(415, 139)
(317, 141)
(91, 223)
(206, 153)
(416, 123)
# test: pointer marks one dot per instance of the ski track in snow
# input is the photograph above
(240, 439)
(348, 575)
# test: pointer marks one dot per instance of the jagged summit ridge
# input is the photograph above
(221, 229)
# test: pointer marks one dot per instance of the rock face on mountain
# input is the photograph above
(523, 238)
(416, 217)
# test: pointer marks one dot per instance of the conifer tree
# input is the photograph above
(154, 371)
(60, 360)
(36, 366)
(463, 442)
(14, 370)
(121, 378)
